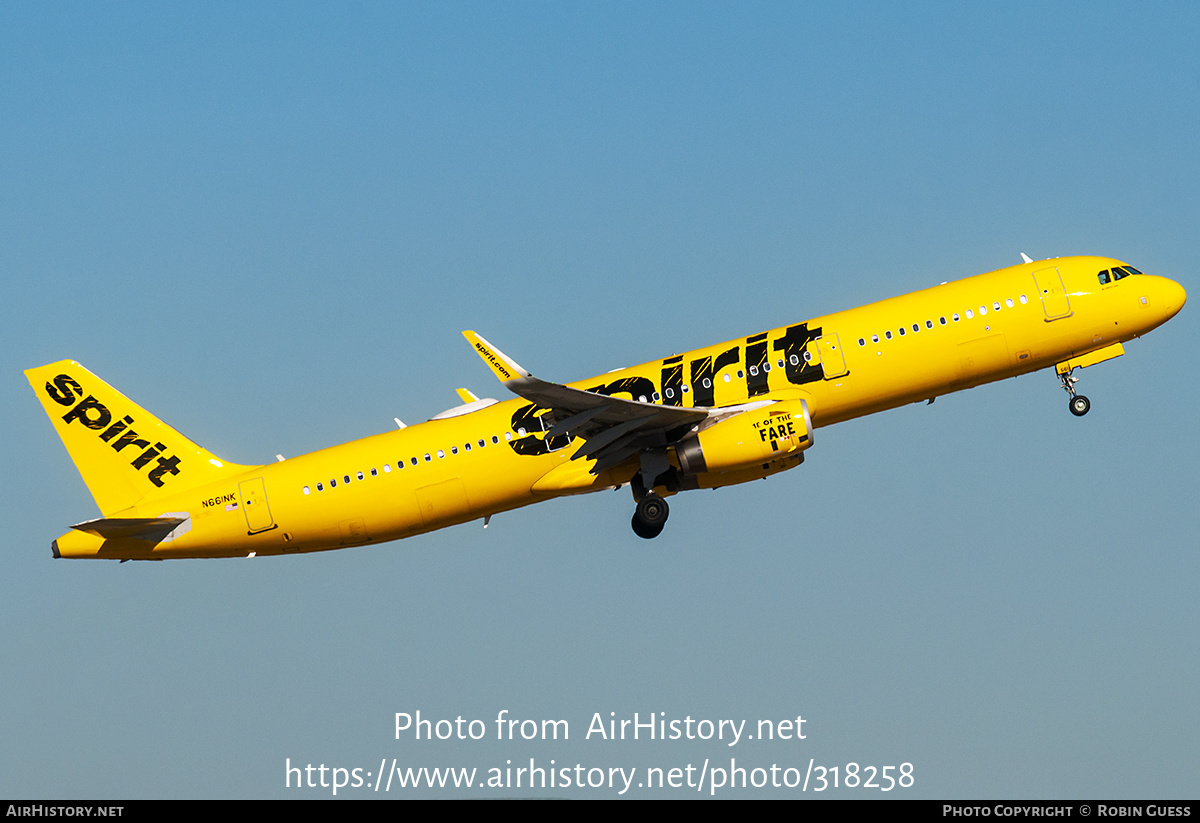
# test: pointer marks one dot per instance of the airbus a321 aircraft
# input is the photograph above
(724, 414)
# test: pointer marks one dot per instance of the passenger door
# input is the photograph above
(1055, 302)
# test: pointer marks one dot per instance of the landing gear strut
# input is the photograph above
(1079, 404)
(650, 516)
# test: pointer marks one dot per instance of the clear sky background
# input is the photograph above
(267, 224)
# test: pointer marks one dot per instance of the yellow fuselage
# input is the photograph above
(844, 365)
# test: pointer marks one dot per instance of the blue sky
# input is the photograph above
(269, 224)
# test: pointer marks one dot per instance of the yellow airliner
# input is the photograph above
(724, 414)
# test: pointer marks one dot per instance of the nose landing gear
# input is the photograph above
(1079, 404)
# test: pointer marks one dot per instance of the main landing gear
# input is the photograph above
(651, 513)
(650, 516)
(1079, 404)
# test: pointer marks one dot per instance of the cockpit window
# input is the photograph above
(1116, 273)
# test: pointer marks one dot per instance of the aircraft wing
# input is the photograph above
(614, 429)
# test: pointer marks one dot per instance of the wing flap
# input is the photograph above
(574, 423)
(610, 435)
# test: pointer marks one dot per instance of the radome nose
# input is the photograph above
(1175, 297)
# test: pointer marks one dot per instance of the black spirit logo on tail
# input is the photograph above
(94, 415)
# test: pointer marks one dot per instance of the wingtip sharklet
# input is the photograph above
(503, 366)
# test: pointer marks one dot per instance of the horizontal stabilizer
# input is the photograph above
(153, 529)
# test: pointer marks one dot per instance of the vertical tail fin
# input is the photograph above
(124, 453)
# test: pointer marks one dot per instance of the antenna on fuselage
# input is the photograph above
(1025, 257)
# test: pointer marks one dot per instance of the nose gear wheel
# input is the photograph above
(1078, 404)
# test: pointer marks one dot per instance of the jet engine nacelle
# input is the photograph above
(749, 440)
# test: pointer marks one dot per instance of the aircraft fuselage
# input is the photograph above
(492, 458)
